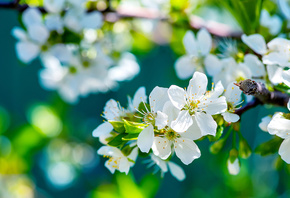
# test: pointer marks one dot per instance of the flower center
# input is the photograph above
(171, 134)
(191, 106)
(72, 70)
(114, 162)
(149, 118)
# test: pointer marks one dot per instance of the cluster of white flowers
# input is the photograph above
(225, 69)
(72, 48)
(168, 125)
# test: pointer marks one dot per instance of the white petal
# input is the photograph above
(255, 65)
(19, 33)
(109, 167)
(286, 77)
(212, 65)
(256, 42)
(231, 117)
(161, 163)
(54, 22)
(190, 43)
(103, 129)
(213, 106)
(284, 150)
(206, 124)
(182, 122)
(184, 67)
(204, 41)
(193, 132)
(61, 52)
(38, 33)
(218, 90)
(157, 98)
(54, 6)
(133, 155)
(276, 58)
(145, 139)
(176, 171)
(161, 120)
(264, 123)
(279, 126)
(233, 93)
(92, 20)
(171, 111)
(288, 105)
(186, 150)
(177, 96)
(234, 168)
(27, 51)
(31, 16)
(275, 74)
(161, 147)
(110, 151)
(112, 110)
(197, 85)
(139, 96)
(124, 165)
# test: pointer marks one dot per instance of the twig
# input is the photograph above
(253, 103)
(261, 93)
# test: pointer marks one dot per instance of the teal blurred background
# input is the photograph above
(46, 145)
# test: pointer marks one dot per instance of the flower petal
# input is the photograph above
(264, 123)
(161, 120)
(255, 65)
(182, 122)
(31, 16)
(276, 58)
(213, 106)
(184, 67)
(212, 65)
(256, 42)
(234, 168)
(186, 150)
(157, 98)
(193, 132)
(171, 111)
(176, 171)
(38, 33)
(197, 85)
(286, 77)
(177, 96)
(279, 126)
(204, 41)
(233, 93)
(27, 51)
(161, 147)
(145, 139)
(139, 96)
(161, 163)
(206, 123)
(103, 129)
(230, 117)
(284, 150)
(190, 43)
(275, 74)
(285, 8)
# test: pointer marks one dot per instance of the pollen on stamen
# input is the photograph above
(163, 147)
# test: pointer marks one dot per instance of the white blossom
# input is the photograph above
(197, 48)
(194, 106)
(117, 160)
(264, 123)
(273, 23)
(280, 126)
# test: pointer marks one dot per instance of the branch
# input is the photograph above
(262, 94)
(195, 22)
(255, 102)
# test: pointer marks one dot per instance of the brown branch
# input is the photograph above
(255, 102)
(195, 22)
(262, 95)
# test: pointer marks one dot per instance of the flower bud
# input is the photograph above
(244, 149)
(216, 147)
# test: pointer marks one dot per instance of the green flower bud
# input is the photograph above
(216, 147)
(244, 149)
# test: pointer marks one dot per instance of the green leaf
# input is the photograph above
(131, 136)
(133, 127)
(118, 126)
(270, 147)
(127, 150)
(117, 141)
